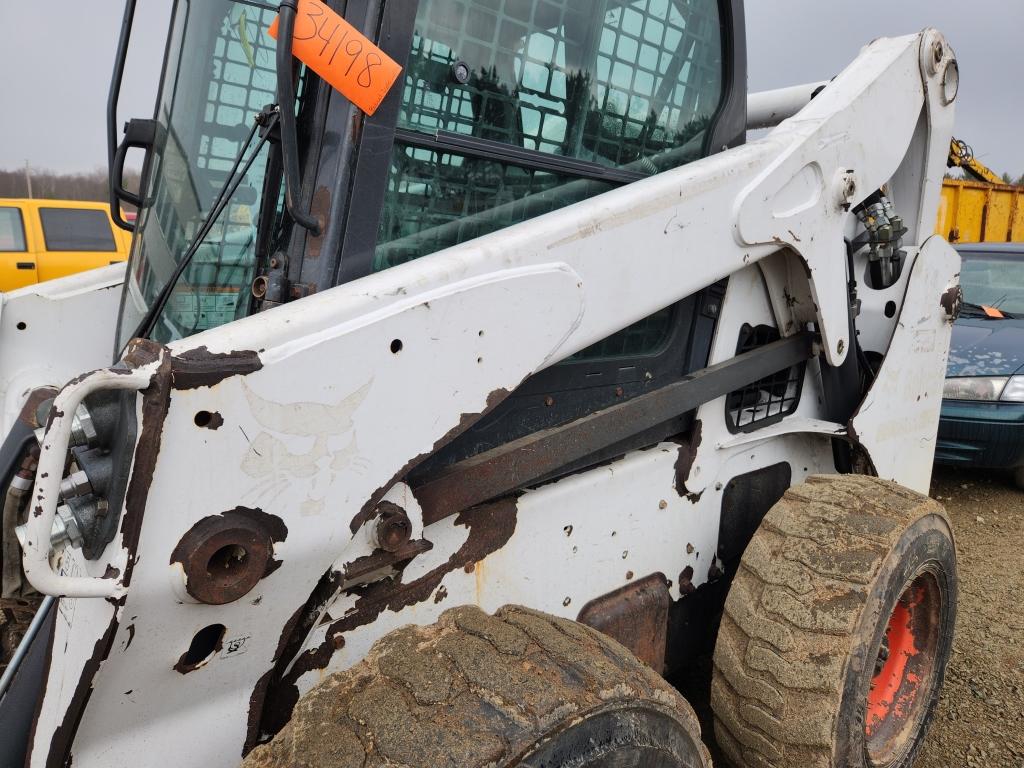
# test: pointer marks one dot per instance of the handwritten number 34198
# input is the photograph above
(314, 23)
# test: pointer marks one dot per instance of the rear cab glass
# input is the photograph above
(76, 229)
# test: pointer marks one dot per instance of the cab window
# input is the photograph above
(76, 229)
(515, 108)
(12, 231)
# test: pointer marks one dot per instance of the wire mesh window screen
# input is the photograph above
(437, 199)
(625, 84)
(770, 399)
(611, 82)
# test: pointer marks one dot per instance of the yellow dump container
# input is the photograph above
(975, 212)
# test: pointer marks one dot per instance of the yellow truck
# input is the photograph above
(981, 208)
(45, 239)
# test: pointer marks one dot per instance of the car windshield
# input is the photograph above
(218, 75)
(994, 280)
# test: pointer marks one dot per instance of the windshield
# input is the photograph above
(218, 75)
(994, 280)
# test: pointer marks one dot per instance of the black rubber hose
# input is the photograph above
(286, 104)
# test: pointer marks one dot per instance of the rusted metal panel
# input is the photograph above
(516, 464)
(224, 556)
(636, 616)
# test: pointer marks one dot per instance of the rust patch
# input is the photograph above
(155, 402)
(441, 594)
(140, 352)
(59, 755)
(199, 367)
(635, 615)
(295, 631)
(28, 415)
(465, 422)
(490, 528)
(320, 209)
(686, 581)
(684, 463)
(224, 556)
(383, 562)
(951, 301)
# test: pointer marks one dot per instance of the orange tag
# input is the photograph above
(341, 55)
(992, 311)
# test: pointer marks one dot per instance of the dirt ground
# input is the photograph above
(980, 718)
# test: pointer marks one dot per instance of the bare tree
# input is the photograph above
(62, 186)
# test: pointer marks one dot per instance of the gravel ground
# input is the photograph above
(980, 719)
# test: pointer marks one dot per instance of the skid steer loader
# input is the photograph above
(442, 435)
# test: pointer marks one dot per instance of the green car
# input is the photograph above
(982, 421)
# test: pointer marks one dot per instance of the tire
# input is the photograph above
(519, 688)
(1018, 477)
(801, 678)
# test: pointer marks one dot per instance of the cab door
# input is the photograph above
(17, 261)
(75, 239)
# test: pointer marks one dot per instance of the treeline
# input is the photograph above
(61, 186)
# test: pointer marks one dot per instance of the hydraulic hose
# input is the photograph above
(286, 103)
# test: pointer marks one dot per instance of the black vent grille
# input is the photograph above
(768, 400)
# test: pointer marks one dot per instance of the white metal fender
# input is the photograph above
(898, 419)
(335, 412)
(52, 331)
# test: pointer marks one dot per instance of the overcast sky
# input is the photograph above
(54, 94)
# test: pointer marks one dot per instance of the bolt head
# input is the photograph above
(461, 72)
(394, 528)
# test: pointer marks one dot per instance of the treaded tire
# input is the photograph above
(806, 615)
(519, 688)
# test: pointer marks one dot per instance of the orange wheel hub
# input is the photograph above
(904, 672)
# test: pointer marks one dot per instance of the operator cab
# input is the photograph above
(505, 111)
